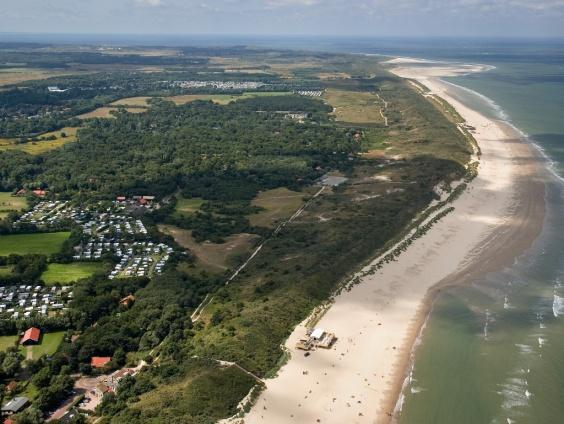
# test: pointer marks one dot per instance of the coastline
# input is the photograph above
(379, 320)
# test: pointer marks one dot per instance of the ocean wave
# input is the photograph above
(524, 349)
(515, 394)
(557, 306)
(503, 116)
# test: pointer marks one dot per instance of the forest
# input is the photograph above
(223, 155)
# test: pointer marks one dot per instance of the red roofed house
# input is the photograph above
(99, 361)
(31, 336)
(127, 301)
(39, 193)
(8, 421)
(121, 198)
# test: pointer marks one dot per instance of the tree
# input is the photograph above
(11, 363)
(30, 415)
(42, 377)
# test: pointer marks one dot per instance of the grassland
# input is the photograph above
(7, 341)
(223, 99)
(43, 144)
(140, 101)
(48, 345)
(68, 273)
(16, 75)
(9, 203)
(277, 204)
(5, 270)
(213, 257)
(355, 107)
(105, 112)
(187, 206)
(39, 243)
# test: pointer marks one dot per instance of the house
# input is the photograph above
(101, 389)
(99, 361)
(114, 378)
(121, 198)
(127, 301)
(55, 89)
(12, 386)
(39, 193)
(31, 336)
(16, 405)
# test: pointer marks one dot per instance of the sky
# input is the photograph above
(419, 18)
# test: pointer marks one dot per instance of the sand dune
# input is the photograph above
(359, 379)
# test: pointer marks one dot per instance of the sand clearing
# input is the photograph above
(359, 380)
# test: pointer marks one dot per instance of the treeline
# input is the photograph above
(25, 269)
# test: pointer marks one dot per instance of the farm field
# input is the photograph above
(40, 243)
(187, 206)
(132, 101)
(7, 341)
(104, 112)
(16, 75)
(41, 146)
(68, 273)
(212, 256)
(355, 107)
(278, 204)
(9, 203)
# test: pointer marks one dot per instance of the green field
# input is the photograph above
(49, 344)
(68, 273)
(7, 341)
(277, 204)
(5, 270)
(223, 99)
(39, 243)
(9, 203)
(188, 206)
(42, 145)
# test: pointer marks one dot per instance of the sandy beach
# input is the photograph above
(377, 322)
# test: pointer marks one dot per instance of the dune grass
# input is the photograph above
(356, 107)
(277, 204)
(213, 257)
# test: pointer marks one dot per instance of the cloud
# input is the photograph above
(292, 3)
(150, 3)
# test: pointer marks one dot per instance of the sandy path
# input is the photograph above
(359, 379)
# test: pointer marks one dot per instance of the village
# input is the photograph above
(108, 230)
(220, 85)
(25, 300)
(88, 390)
